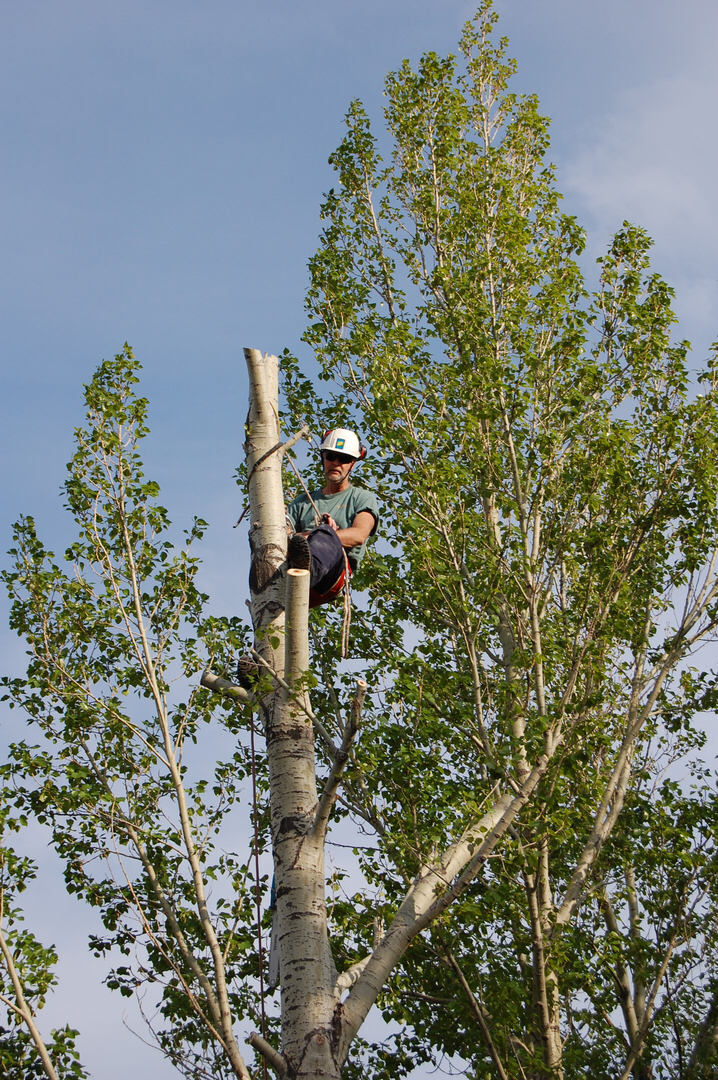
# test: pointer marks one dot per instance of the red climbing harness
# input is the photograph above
(315, 598)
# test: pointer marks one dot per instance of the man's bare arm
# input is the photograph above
(359, 530)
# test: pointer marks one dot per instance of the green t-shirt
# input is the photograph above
(343, 507)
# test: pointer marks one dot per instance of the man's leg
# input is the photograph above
(320, 552)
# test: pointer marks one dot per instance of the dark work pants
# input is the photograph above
(327, 558)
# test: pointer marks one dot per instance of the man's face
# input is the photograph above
(336, 466)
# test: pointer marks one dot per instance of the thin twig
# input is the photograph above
(340, 759)
(478, 1013)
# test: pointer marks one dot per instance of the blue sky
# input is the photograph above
(161, 168)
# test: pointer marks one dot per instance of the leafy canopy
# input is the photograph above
(546, 462)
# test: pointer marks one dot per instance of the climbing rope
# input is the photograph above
(347, 573)
(347, 608)
(258, 894)
(317, 516)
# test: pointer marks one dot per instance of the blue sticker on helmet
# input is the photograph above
(339, 445)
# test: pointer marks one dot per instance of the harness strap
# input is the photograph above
(315, 598)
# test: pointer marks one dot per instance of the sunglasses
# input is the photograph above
(343, 459)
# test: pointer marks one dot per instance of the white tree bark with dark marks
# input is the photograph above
(307, 972)
(317, 1026)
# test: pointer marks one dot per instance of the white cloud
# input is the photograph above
(654, 162)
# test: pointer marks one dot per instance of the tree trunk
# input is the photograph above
(307, 973)
(545, 997)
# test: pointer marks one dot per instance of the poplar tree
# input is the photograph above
(26, 970)
(546, 461)
(519, 759)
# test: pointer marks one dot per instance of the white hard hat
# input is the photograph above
(343, 441)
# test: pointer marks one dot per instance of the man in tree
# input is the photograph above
(326, 523)
(547, 892)
(332, 520)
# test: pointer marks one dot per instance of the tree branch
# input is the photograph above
(223, 686)
(479, 1014)
(433, 891)
(541, 1002)
(347, 978)
(639, 989)
(280, 448)
(172, 922)
(643, 1030)
(23, 1009)
(615, 792)
(208, 929)
(340, 759)
(621, 973)
(273, 1058)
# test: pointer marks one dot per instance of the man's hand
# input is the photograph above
(358, 532)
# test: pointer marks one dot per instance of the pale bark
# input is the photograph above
(639, 988)
(546, 1000)
(270, 1055)
(307, 971)
(303, 704)
(554, 1044)
(317, 1028)
(267, 529)
(23, 1009)
(224, 686)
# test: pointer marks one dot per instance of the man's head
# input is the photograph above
(340, 449)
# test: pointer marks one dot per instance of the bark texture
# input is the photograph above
(317, 1026)
(307, 973)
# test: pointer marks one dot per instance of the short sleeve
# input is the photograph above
(365, 501)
